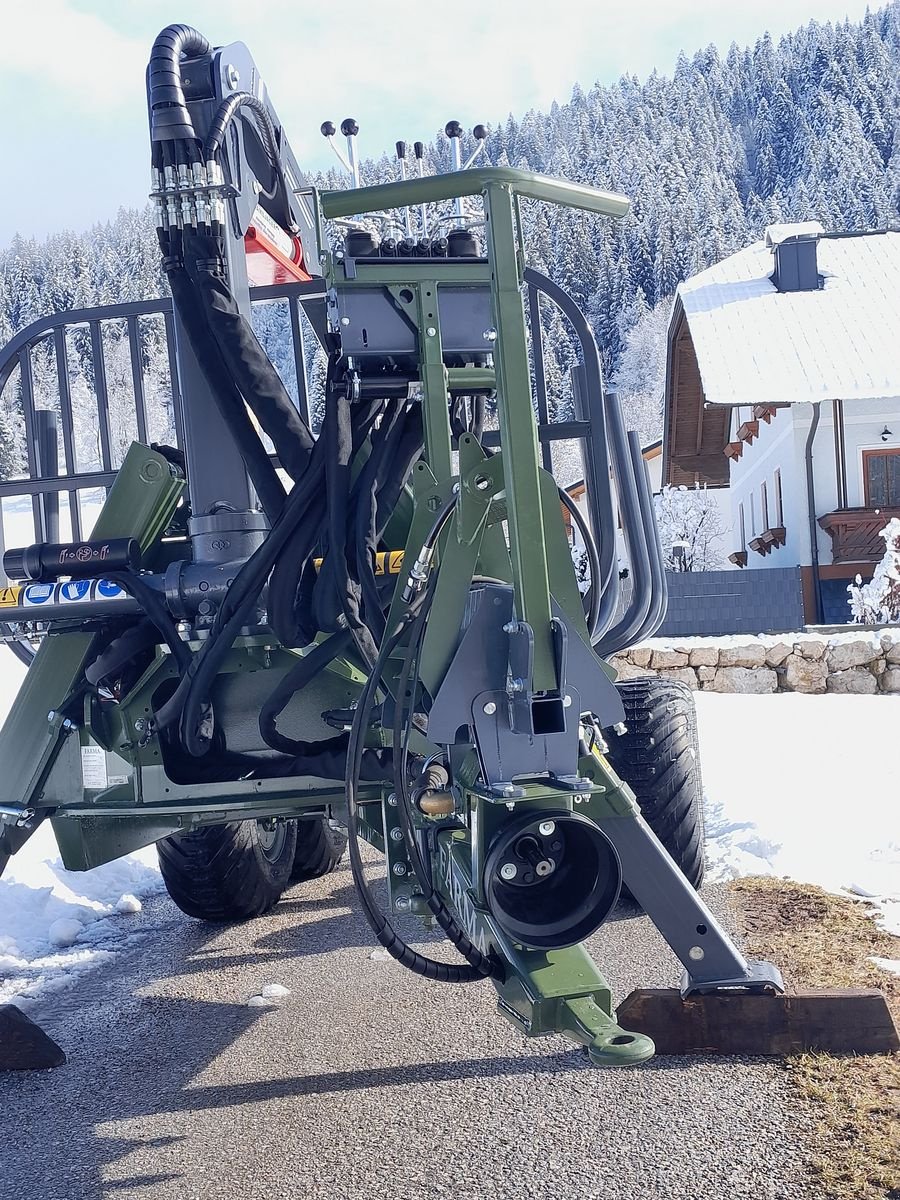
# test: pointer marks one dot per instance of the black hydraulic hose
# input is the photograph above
(407, 453)
(225, 115)
(338, 436)
(302, 602)
(154, 605)
(265, 130)
(407, 685)
(191, 693)
(244, 359)
(227, 398)
(378, 922)
(597, 466)
(169, 117)
(364, 511)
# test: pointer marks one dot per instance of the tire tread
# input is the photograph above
(659, 759)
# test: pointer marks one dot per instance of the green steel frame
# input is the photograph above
(540, 992)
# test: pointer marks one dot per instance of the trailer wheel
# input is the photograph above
(320, 847)
(659, 759)
(229, 872)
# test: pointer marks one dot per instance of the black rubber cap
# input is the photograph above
(453, 129)
(461, 244)
(360, 244)
(327, 129)
(401, 149)
(419, 149)
(480, 133)
(349, 127)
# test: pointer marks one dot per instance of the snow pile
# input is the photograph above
(52, 921)
(270, 995)
(804, 787)
(877, 638)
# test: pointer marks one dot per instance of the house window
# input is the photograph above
(779, 507)
(881, 475)
(752, 515)
(764, 506)
(742, 526)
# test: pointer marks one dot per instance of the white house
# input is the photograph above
(783, 385)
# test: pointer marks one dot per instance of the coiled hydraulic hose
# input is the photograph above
(169, 117)
(478, 965)
(225, 115)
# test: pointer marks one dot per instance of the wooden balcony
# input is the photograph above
(854, 533)
(748, 431)
(765, 412)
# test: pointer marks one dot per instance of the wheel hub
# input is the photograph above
(271, 836)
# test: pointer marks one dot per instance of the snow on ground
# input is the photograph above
(53, 922)
(797, 786)
(804, 787)
(851, 633)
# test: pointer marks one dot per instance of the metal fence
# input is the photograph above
(53, 469)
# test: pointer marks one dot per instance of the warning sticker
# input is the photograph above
(395, 562)
(9, 597)
(93, 767)
(37, 593)
(77, 589)
(107, 590)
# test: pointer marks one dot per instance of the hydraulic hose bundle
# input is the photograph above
(326, 515)
(190, 215)
(346, 486)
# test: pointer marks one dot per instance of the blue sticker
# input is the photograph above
(37, 593)
(108, 590)
(75, 590)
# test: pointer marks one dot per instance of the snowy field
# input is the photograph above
(796, 786)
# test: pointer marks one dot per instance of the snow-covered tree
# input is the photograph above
(641, 375)
(690, 529)
(878, 601)
(800, 128)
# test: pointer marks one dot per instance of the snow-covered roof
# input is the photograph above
(757, 345)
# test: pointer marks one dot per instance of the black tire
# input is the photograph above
(320, 847)
(229, 872)
(659, 759)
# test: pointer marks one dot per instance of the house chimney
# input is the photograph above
(794, 246)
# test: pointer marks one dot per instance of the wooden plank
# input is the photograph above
(839, 1021)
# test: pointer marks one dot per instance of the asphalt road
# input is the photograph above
(368, 1082)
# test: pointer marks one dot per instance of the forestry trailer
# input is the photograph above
(275, 646)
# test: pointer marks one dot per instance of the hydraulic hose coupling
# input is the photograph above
(418, 576)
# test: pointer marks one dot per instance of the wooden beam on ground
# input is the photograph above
(837, 1020)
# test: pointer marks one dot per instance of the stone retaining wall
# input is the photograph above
(862, 665)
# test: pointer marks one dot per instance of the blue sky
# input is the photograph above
(73, 125)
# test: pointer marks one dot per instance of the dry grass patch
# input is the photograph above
(820, 940)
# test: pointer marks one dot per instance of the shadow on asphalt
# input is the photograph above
(133, 1054)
